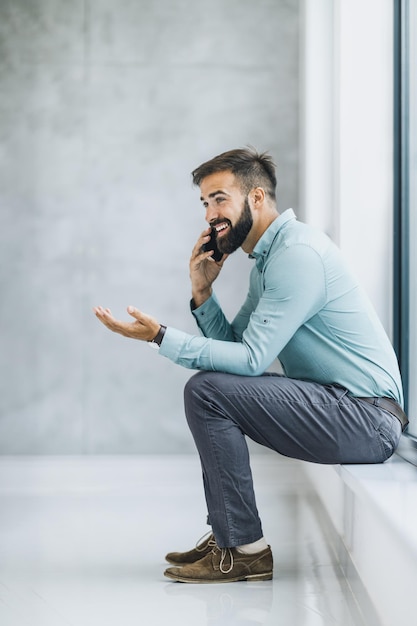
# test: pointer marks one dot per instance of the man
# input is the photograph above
(341, 396)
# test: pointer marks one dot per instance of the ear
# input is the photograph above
(257, 196)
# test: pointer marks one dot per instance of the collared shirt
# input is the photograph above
(304, 308)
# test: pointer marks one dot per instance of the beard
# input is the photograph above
(237, 234)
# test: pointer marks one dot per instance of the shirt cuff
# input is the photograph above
(173, 343)
(208, 309)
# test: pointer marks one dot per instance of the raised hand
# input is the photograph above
(203, 269)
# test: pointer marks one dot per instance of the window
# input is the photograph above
(405, 337)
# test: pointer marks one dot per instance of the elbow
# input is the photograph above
(258, 371)
(255, 367)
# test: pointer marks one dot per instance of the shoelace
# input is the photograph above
(226, 551)
(199, 545)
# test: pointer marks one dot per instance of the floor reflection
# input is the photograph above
(82, 544)
(243, 604)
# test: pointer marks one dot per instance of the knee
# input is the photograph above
(199, 391)
(194, 387)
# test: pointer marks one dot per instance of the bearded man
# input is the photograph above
(340, 397)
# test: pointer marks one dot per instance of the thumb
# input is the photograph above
(133, 312)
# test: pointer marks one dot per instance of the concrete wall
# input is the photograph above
(105, 108)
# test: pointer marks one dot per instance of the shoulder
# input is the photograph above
(298, 233)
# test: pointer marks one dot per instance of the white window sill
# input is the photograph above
(391, 488)
(374, 511)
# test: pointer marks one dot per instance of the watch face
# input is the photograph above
(154, 345)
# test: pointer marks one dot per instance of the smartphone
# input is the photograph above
(212, 245)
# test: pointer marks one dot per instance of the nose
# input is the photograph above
(211, 213)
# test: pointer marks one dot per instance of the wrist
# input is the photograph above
(157, 340)
(200, 297)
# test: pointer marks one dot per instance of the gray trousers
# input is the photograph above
(302, 420)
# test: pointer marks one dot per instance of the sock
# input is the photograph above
(252, 548)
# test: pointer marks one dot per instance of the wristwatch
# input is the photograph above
(155, 343)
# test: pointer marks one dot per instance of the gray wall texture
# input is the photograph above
(105, 108)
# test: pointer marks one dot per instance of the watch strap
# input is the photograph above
(159, 336)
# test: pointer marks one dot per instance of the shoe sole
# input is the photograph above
(248, 578)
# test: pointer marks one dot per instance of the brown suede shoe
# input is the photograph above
(203, 547)
(225, 565)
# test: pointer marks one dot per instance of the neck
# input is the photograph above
(263, 222)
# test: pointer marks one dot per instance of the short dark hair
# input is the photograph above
(251, 168)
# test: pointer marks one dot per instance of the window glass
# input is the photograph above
(409, 63)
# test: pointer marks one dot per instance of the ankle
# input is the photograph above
(253, 548)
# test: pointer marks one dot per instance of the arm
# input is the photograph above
(294, 290)
(214, 324)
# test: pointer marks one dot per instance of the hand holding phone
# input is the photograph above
(212, 245)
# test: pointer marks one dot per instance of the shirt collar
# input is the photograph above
(265, 242)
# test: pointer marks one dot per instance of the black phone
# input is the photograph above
(212, 245)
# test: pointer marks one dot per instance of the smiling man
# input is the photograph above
(340, 398)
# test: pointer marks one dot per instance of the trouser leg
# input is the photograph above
(307, 421)
(226, 471)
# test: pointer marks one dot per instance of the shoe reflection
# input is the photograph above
(240, 604)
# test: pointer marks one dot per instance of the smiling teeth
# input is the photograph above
(220, 227)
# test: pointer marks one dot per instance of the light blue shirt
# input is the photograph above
(304, 308)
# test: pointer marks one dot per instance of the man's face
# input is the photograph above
(227, 210)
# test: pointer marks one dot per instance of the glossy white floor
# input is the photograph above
(82, 543)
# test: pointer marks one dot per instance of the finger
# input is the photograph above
(101, 310)
(105, 316)
(116, 326)
(197, 261)
(139, 316)
(222, 260)
(102, 313)
(206, 232)
(204, 238)
(198, 250)
(133, 311)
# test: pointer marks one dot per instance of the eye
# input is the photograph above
(219, 200)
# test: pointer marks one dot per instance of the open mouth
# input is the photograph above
(221, 228)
